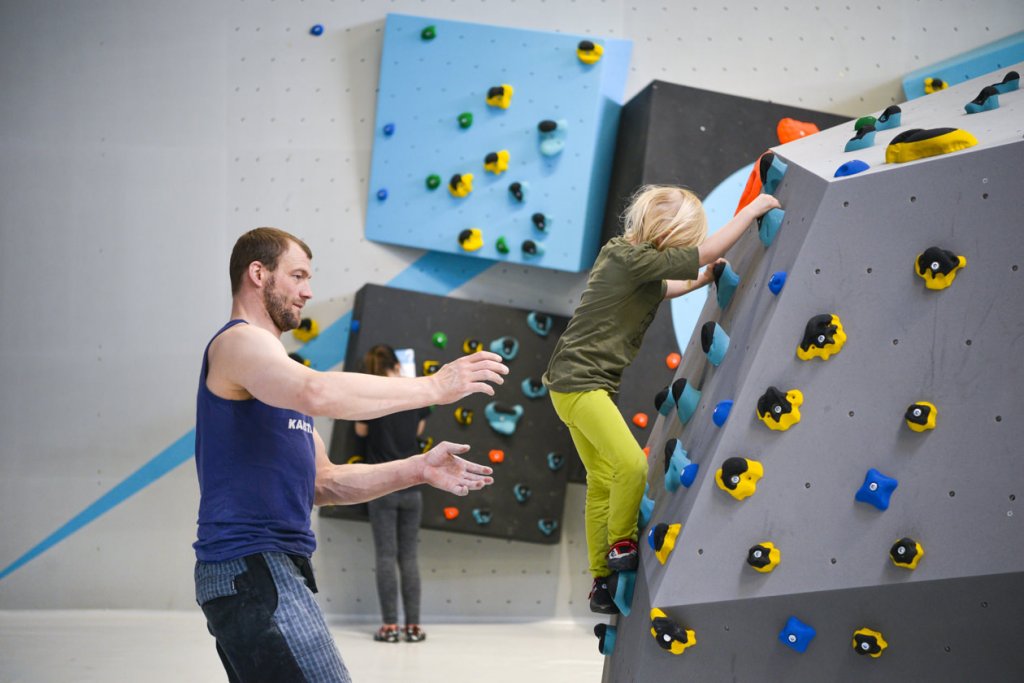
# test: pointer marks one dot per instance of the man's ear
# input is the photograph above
(257, 274)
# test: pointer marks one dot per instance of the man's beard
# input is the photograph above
(284, 316)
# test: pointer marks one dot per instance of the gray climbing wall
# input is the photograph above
(849, 247)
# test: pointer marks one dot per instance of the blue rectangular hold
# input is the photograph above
(426, 83)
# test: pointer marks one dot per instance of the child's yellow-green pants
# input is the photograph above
(616, 469)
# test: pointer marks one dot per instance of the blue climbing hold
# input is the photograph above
(552, 136)
(382, 194)
(1010, 82)
(721, 412)
(646, 508)
(533, 388)
(522, 492)
(555, 461)
(503, 418)
(664, 401)
(605, 638)
(777, 281)
(864, 138)
(539, 322)
(389, 129)
(621, 585)
(676, 461)
(547, 526)
(506, 347)
(797, 635)
(482, 516)
(987, 100)
(890, 118)
(768, 226)
(689, 474)
(686, 397)
(772, 169)
(877, 489)
(354, 326)
(714, 341)
(726, 282)
(317, 30)
(852, 167)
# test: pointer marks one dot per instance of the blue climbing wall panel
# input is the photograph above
(991, 57)
(426, 84)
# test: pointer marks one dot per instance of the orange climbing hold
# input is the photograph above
(640, 420)
(647, 451)
(791, 129)
(673, 360)
(451, 513)
(496, 456)
(753, 187)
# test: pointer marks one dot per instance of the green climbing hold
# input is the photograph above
(433, 181)
(502, 245)
(465, 120)
(429, 33)
(864, 121)
(440, 340)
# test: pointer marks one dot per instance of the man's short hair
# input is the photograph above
(260, 244)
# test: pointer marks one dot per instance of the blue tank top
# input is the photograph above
(257, 467)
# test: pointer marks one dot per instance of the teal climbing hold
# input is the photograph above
(714, 341)
(768, 226)
(1010, 82)
(676, 462)
(864, 138)
(772, 169)
(890, 118)
(987, 100)
(621, 585)
(726, 282)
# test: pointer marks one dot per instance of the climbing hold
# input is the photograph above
(533, 388)
(518, 190)
(300, 360)
(354, 326)
(433, 181)
(920, 416)
(797, 635)
(430, 367)
(429, 33)
(721, 412)
(669, 635)
(465, 120)
(726, 282)
(662, 539)
(496, 455)
(503, 418)
(772, 169)
(389, 129)
(918, 143)
(439, 339)
(482, 516)
(647, 451)
(605, 638)
(496, 162)
(673, 360)
(500, 96)
(823, 337)
(864, 138)
(780, 411)
(552, 136)
(522, 492)
(664, 401)
(541, 222)
(768, 226)
(776, 282)
(764, 557)
(501, 245)
(589, 52)
(355, 459)
(714, 341)
(790, 129)
(547, 526)
(640, 420)
(471, 239)
(686, 398)
(906, 553)
(877, 489)
(938, 267)
(539, 322)
(425, 443)
(890, 118)
(933, 84)
(470, 345)
(556, 461)
(460, 185)
(864, 122)
(464, 416)
(317, 30)
(531, 248)
(307, 330)
(506, 347)
(987, 100)
(1010, 82)
(851, 167)
(646, 508)
(868, 642)
(382, 194)
(621, 585)
(451, 513)
(676, 462)
(739, 476)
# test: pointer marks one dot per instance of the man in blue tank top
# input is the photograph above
(262, 465)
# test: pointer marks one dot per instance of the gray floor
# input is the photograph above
(160, 647)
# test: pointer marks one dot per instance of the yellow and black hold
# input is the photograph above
(869, 642)
(921, 416)
(299, 359)
(430, 367)
(496, 162)
(464, 416)
(307, 330)
(500, 96)
(472, 345)
(823, 336)
(670, 635)
(353, 459)
(764, 557)
(471, 239)
(425, 443)
(589, 52)
(662, 539)
(460, 184)
(739, 476)
(938, 267)
(780, 411)
(906, 553)
(933, 84)
(918, 143)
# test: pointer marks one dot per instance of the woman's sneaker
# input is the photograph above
(386, 634)
(601, 598)
(623, 556)
(414, 634)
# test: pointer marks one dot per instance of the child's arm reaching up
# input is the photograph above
(721, 240)
(680, 287)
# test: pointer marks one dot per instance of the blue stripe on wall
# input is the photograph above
(433, 273)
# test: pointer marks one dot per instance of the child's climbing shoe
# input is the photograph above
(623, 556)
(601, 598)
(414, 634)
(386, 634)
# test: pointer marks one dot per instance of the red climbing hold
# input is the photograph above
(496, 456)
(640, 420)
(673, 360)
(451, 513)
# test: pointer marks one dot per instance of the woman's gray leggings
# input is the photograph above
(395, 520)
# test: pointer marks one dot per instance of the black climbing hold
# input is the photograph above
(539, 221)
(938, 261)
(819, 333)
(547, 126)
(670, 448)
(491, 158)
(496, 91)
(986, 92)
(455, 181)
(657, 536)
(866, 644)
(773, 404)
(585, 45)
(759, 556)
(707, 335)
(904, 551)
(667, 633)
(517, 190)
(732, 470)
(918, 413)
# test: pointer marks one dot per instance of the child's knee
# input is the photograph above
(634, 470)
